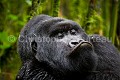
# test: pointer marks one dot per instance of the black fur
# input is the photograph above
(70, 55)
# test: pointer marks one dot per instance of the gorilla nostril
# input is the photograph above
(73, 43)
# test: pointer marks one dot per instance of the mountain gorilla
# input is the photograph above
(53, 48)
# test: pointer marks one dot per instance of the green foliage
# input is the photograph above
(13, 16)
(4, 40)
(95, 22)
(55, 7)
(29, 2)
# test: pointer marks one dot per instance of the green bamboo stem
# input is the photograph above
(90, 13)
(113, 22)
(35, 9)
(106, 17)
(55, 7)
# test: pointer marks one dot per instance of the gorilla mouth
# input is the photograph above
(81, 47)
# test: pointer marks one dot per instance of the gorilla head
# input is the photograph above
(59, 43)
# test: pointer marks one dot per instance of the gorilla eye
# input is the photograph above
(60, 35)
(73, 32)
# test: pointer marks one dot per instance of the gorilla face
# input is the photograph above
(60, 43)
(64, 46)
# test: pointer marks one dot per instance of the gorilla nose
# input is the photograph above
(80, 47)
(73, 43)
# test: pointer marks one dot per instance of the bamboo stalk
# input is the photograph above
(113, 22)
(106, 15)
(35, 9)
(55, 7)
(90, 13)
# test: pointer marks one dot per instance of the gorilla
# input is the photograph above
(53, 48)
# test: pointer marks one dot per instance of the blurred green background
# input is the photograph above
(95, 16)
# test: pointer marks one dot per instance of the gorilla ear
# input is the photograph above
(34, 46)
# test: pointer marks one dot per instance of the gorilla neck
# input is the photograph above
(39, 71)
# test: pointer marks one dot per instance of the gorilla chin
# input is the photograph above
(84, 51)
